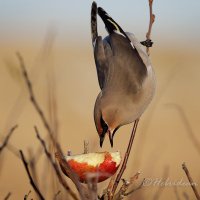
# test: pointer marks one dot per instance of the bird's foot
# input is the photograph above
(147, 43)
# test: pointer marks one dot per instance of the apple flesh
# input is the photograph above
(96, 166)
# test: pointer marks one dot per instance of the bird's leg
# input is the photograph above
(147, 43)
(123, 167)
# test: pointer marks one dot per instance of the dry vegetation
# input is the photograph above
(117, 189)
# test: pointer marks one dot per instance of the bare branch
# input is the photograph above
(5, 142)
(135, 189)
(55, 166)
(56, 195)
(123, 167)
(7, 196)
(27, 195)
(192, 184)
(32, 96)
(151, 21)
(30, 177)
(86, 146)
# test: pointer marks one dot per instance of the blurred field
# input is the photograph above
(163, 141)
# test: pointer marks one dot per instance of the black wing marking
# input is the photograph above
(111, 25)
(94, 32)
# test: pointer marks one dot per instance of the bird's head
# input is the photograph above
(106, 122)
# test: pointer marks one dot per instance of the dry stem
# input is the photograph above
(5, 142)
(30, 177)
(7, 196)
(123, 167)
(151, 21)
(55, 166)
(191, 181)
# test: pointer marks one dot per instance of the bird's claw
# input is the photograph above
(147, 43)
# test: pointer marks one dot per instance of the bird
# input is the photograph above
(125, 75)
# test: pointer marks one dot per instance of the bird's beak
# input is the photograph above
(110, 138)
(102, 137)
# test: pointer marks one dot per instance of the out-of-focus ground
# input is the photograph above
(163, 141)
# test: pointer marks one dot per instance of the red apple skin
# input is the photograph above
(105, 170)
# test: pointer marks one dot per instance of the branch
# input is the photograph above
(125, 186)
(151, 21)
(123, 167)
(7, 196)
(5, 142)
(30, 177)
(191, 181)
(55, 166)
(32, 96)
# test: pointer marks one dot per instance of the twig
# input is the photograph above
(5, 142)
(56, 195)
(27, 195)
(123, 167)
(135, 189)
(32, 96)
(151, 21)
(55, 166)
(30, 177)
(191, 181)
(46, 124)
(7, 196)
(125, 186)
(86, 146)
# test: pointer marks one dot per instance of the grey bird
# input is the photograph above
(125, 76)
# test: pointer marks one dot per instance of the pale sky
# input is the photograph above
(29, 20)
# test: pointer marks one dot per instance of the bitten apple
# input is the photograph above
(98, 166)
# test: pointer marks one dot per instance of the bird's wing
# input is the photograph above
(102, 50)
(126, 60)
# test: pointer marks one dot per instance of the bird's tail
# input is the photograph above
(94, 22)
(110, 23)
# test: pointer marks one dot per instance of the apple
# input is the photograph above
(97, 166)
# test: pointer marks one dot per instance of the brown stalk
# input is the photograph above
(151, 21)
(5, 142)
(30, 177)
(192, 184)
(37, 107)
(55, 166)
(123, 167)
(7, 196)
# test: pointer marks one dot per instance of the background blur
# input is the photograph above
(54, 39)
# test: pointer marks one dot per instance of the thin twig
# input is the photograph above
(30, 177)
(86, 146)
(135, 189)
(5, 142)
(56, 195)
(151, 21)
(27, 195)
(123, 167)
(37, 107)
(7, 196)
(32, 95)
(55, 166)
(192, 184)
(125, 186)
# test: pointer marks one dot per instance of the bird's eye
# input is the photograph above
(103, 125)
